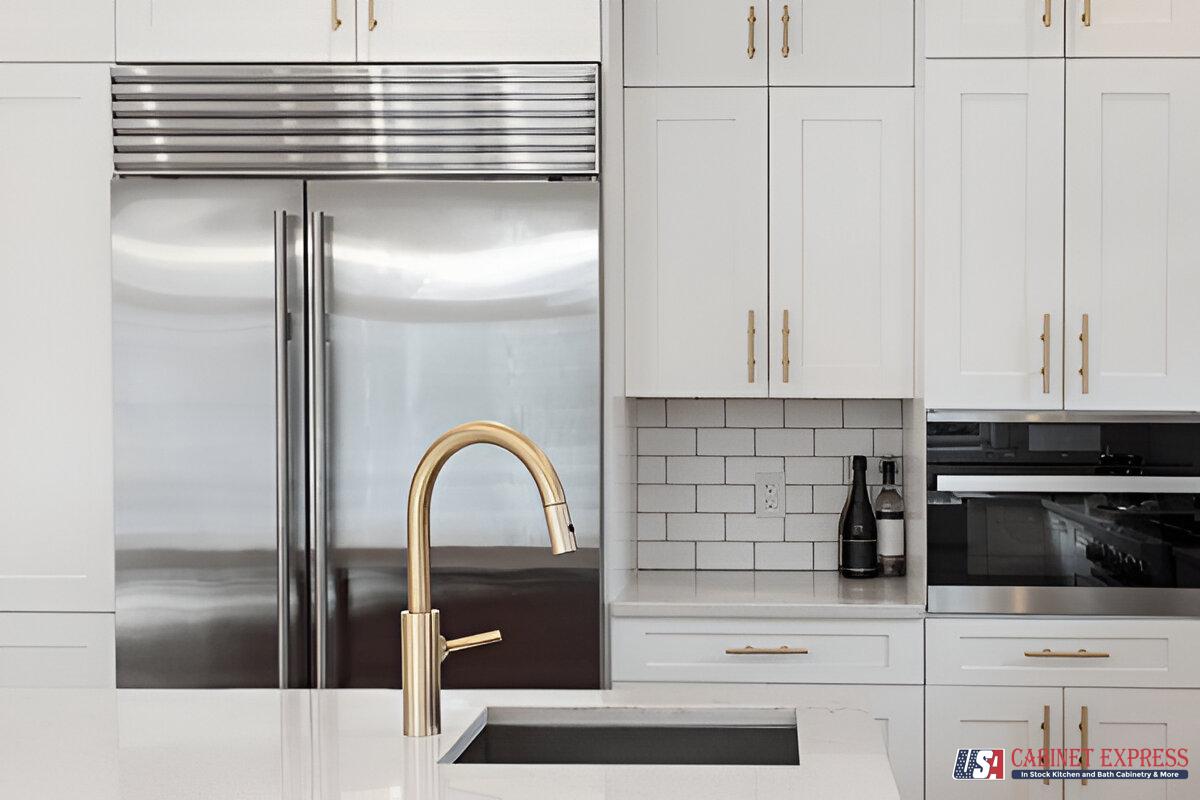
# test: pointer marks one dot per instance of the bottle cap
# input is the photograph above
(859, 462)
(888, 468)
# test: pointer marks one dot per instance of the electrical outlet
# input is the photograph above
(769, 494)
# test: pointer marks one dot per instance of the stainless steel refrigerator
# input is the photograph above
(317, 271)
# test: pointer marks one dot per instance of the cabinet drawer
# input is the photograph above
(696, 43)
(57, 650)
(996, 29)
(841, 43)
(822, 651)
(1123, 652)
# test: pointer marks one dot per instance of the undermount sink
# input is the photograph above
(725, 736)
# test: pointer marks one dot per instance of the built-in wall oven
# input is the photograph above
(1063, 513)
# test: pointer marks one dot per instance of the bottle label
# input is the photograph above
(891, 537)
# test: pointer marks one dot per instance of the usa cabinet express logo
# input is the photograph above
(1103, 763)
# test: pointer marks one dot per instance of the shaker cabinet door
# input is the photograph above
(63, 31)
(696, 242)
(994, 29)
(841, 42)
(1133, 242)
(235, 30)
(1133, 28)
(696, 42)
(993, 234)
(841, 243)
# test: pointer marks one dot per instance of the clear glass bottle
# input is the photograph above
(858, 556)
(889, 520)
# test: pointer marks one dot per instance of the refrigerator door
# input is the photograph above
(202, 435)
(452, 301)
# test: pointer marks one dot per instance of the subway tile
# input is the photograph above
(666, 441)
(695, 413)
(743, 470)
(836, 442)
(749, 528)
(825, 555)
(725, 442)
(783, 555)
(798, 500)
(650, 413)
(811, 527)
(695, 469)
(829, 499)
(651, 527)
(724, 555)
(819, 469)
(666, 498)
(652, 469)
(783, 442)
(731, 499)
(696, 527)
(754, 413)
(871, 414)
(666, 555)
(812, 413)
(889, 442)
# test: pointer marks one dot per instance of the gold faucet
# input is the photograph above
(423, 646)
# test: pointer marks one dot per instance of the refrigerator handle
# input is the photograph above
(317, 532)
(282, 449)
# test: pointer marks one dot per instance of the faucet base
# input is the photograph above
(420, 636)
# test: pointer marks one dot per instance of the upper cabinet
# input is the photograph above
(478, 30)
(1133, 28)
(994, 29)
(71, 30)
(696, 43)
(841, 43)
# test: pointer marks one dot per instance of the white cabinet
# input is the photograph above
(1133, 243)
(696, 242)
(841, 243)
(56, 510)
(696, 43)
(70, 30)
(994, 29)
(478, 30)
(841, 42)
(236, 30)
(1130, 719)
(1133, 28)
(985, 717)
(994, 233)
(57, 651)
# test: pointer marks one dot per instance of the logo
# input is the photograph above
(979, 765)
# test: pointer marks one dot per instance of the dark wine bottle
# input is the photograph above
(857, 538)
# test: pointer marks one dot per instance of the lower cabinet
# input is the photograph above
(57, 651)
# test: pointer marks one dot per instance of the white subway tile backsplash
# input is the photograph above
(652, 469)
(666, 442)
(798, 500)
(724, 555)
(841, 442)
(743, 470)
(825, 555)
(814, 470)
(889, 442)
(725, 499)
(651, 527)
(871, 414)
(829, 499)
(811, 527)
(666, 498)
(725, 442)
(753, 413)
(696, 527)
(650, 413)
(783, 555)
(666, 555)
(783, 442)
(812, 413)
(696, 413)
(749, 528)
(695, 469)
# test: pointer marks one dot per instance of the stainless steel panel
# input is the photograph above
(453, 301)
(1067, 600)
(195, 404)
(1087, 417)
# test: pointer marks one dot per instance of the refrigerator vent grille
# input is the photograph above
(531, 119)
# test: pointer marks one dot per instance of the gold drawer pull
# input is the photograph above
(1085, 370)
(1087, 13)
(786, 19)
(766, 651)
(335, 20)
(372, 20)
(1045, 741)
(1047, 20)
(750, 20)
(787, 357)
(1048, 653)
(1045, 354)
(750, 335)
(1083, 741)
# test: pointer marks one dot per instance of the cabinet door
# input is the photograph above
(841, 243)
(1133, 28)
(841, 42)
(1131, 718)
(696, 242)
(235, 30)
(983, 717)
(696, 43)
(478, 30)
(994, 29)
(69, 30)
(993, 233)
(42, 651)
(56, 506)
(1133, 243)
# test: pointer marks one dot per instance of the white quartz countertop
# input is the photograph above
(769, 594)
(319, 745)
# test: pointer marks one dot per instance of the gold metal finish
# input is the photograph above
(373, 23)
(787, 22)
(1083, 741)
(750, 20)
(1048, 653)
(1086, 369)
(1087, 23)
(423, 646)
(333, 11)
(1045, 353)
(787, 358)
(766, 651)
(1047, 19)
(750, 333)
(1046, 741)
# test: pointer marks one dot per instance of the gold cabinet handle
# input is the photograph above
(1085, 368)
(787, 335)
(1087, 23)
(372, 22)
(467, 642)
(1083, 741)
(750, 20)
(750, 335)
(1047, 19)
(787, 21)
(1048, 653)
(335, 20)
(1045, 741)
(766, 651)
(1045, 337)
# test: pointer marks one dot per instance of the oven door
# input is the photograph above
(1064, 544)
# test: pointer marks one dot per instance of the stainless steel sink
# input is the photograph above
(630, 736)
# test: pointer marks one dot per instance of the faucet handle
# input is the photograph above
(467, 642)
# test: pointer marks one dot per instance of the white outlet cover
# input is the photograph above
(769, 494)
